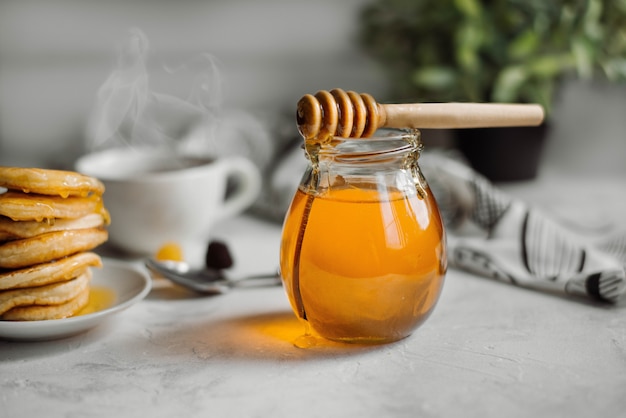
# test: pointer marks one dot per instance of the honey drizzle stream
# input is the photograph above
(297, 255)
(312, 152)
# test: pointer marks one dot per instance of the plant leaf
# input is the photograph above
(548, 66)
(469, 37)
(434, 78)
(470, 8)
(508, 83)
(524, 44)
(583, 52)
(615, 69)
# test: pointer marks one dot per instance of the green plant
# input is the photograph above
(493, 50)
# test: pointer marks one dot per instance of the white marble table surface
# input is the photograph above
(488, 350)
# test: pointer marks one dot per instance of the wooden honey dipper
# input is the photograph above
(350, 114)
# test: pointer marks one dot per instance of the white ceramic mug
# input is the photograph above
(155, 197)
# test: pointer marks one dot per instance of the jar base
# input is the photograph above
(312, 338)
(367, 340)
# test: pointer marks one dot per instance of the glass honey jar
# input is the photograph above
(363, 252)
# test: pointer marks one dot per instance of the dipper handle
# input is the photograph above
(350, 114)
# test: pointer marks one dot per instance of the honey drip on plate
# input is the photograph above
(100, 298)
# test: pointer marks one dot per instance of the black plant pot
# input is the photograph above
(503, 154)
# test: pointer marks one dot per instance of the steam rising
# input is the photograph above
(129, 113)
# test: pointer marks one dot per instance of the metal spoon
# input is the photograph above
(208, 281)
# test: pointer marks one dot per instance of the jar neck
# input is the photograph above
(389, 161)
(386, 148)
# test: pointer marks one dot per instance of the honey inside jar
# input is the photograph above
(363, 251)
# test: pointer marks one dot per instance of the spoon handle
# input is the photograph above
(213, 284)
(260, 280)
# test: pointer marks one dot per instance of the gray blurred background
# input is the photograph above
(55, 54)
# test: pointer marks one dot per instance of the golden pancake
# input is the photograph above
(47, 312)
(52, 294)
(49, 182)
(35, 207)
(46, 273)
(50, 246)
(10, 230)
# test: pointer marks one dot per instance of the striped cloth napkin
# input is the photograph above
(497, 236)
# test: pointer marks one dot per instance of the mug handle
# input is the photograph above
(248, 185)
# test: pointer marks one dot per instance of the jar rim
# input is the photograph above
(384, 142)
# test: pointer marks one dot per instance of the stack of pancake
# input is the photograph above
(50, 220)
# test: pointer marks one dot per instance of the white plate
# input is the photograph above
(129, 284)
